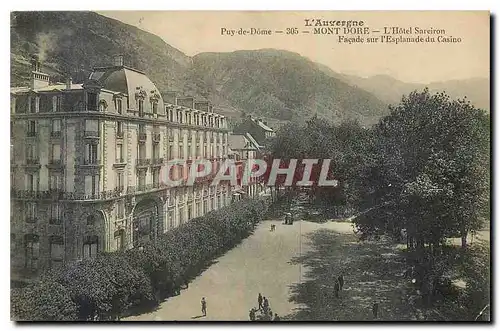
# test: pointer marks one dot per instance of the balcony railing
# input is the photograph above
(91, 134)
(32, 161)
(157, 161)
(56, 195)
(92, 162)
(55, 134)
(120, 160)
(143, 162)
(55, 163)
(156, 137)
(31, 133)
(142, 136)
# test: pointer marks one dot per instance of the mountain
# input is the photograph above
(390, 90)
(283, 85)
(74, 42)
(275, 85)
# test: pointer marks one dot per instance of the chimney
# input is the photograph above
(35, 63)
(210, 108)
(69, 82)
(186, 102)
(38, 78)
(118, 60)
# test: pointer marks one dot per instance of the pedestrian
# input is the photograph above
(259, 300)
(341, 281)
(276, 318)
(266, 303)
(252, 314)
(336, 288)
(375, 310)
(203, 306)
(270, 314)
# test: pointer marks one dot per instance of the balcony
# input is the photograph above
(157, 162)
(31, 134)
(57, 195)
(55, 134)
(55, 221)
(142, 137)
(120, 162)
(55, 164)
(141, 163)
(92, 162)
(32, 162)
(91, 134)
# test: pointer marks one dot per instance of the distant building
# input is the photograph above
(259, 129)
(87, 164)
(243, 147)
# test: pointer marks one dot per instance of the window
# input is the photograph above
(55, 214)
(142, 151)
(56, 103)
(31, 152)
(56, 127)
(56, 251)
(91, 101)
(156, 177)
(32, 251)
(31, 129)
(56, 152)
(171, 219)
(30, 210)
(119, 106)
(92, 184)
(141, 178)
(156, 151)
(119, 129)
(90, 247)
(55, 181)
(119, 181)
(91, 154)
(120, 209)
(142, 128)
(32, 182)
(33, 104)
(155, 107)
(120, 240)
(181, 151)
(119, 153)
(141, 107)
(171, 152)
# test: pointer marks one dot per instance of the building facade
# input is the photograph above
(259, 129)
(244, 148)
(88, 162)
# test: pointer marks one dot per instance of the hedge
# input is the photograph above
(117, 284)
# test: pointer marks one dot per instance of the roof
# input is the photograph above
(262, 125)
(253, 141)
(124, 79)
(49, 88)
(236, 141)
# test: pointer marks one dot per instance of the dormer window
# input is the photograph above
(119, 106)
(155, 107)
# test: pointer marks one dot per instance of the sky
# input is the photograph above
(193, 32)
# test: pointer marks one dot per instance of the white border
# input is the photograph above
(8, 6)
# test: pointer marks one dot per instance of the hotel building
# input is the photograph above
(87, 163)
